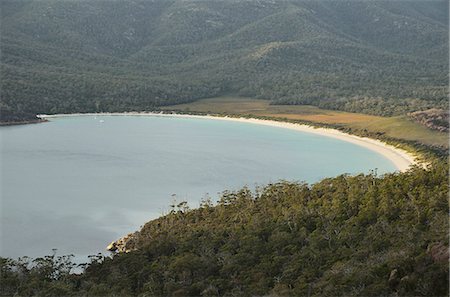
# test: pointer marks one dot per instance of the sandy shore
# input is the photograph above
(399, 157)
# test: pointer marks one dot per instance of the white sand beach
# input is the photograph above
(399, 157)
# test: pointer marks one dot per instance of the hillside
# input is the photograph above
(361, 235)
(378, 57)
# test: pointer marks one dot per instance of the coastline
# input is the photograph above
(401, 158)
(26, 122)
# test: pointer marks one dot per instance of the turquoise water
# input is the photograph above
(77, 183)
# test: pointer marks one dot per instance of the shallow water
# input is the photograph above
(77, 183)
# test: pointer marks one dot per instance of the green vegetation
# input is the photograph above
(376, 57)
(13, 117)
(361, 235)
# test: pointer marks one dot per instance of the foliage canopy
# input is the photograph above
(361, 235)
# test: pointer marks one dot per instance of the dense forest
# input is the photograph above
(374, 56)
(363, 235)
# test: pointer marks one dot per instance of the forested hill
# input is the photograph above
(79, 56)
(358, 235)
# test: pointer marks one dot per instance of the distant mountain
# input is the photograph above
(75, 56)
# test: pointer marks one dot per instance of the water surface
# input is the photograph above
(77, 183)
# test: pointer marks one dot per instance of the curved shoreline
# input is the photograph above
(401, 159)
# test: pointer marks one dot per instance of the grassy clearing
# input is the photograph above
(394, 127)
(404, 128)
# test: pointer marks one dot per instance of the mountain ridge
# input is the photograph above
(76, 56)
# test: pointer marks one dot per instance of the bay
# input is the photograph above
(77, 183)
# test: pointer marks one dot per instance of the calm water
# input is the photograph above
(78, 183)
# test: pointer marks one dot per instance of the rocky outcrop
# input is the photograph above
(125, 244)
(435, 119)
